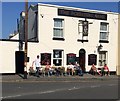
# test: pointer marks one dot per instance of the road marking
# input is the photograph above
(56, 90)
(10, 96)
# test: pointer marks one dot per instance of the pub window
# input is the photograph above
(45, 57)
(57, 57)
(102, 58)
(71, 58)
(92, 59)
(58, 28)
(104, 32)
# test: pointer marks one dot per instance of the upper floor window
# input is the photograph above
(58, 28)
(104, 31)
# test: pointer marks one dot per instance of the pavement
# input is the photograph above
(31, 78)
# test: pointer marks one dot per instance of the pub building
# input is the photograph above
(63, 35)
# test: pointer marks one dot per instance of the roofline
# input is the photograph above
(32, 5)
(76, 8)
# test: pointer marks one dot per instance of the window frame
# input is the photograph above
(103, 58)
(104, 32)
(58, 28)
(58, 58)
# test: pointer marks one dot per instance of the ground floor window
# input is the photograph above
(102, 58)
(71, 58)
(57, 57)
(92, 59)
(45, 57)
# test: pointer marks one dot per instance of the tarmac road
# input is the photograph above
(85, 89)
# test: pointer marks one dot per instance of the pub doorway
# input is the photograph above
(82, 56)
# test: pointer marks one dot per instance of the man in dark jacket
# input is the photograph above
(78, 69)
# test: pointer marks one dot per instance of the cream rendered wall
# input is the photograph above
(112, 46)
(70, 44)
(118, 49)
(8, 49)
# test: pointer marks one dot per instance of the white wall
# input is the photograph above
(7, 56)
(70, 45)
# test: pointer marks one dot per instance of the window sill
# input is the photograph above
(103, 41)
(80, 40)
(59, 39)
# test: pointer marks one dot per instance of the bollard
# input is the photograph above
(25, 74)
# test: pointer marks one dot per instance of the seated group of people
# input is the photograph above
(71, 69)
(101, 71)
(53, 70)
(48, 70)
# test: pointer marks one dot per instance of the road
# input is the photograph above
(95, 89)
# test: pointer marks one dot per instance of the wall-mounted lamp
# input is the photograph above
(99, 47)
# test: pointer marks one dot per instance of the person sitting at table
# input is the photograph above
(106, 70)
(70, 68)
(78, 69)
(93, 70)
(47, 69)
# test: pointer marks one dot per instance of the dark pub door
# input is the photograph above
(82, 55)
(19, 62)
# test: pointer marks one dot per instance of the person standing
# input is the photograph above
(37, 65)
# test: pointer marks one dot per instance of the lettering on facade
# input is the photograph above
(81, 14)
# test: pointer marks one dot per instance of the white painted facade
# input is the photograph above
(46, 44)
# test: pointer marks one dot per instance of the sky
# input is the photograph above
(11, 12)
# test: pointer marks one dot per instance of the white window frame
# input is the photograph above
(104, 33)
(58, 28)
(58, 58)
(103, 58)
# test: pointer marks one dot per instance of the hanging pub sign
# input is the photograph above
(71, 58)
(82, 14)
(85, 28)
(45, 57)
(92, 59)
